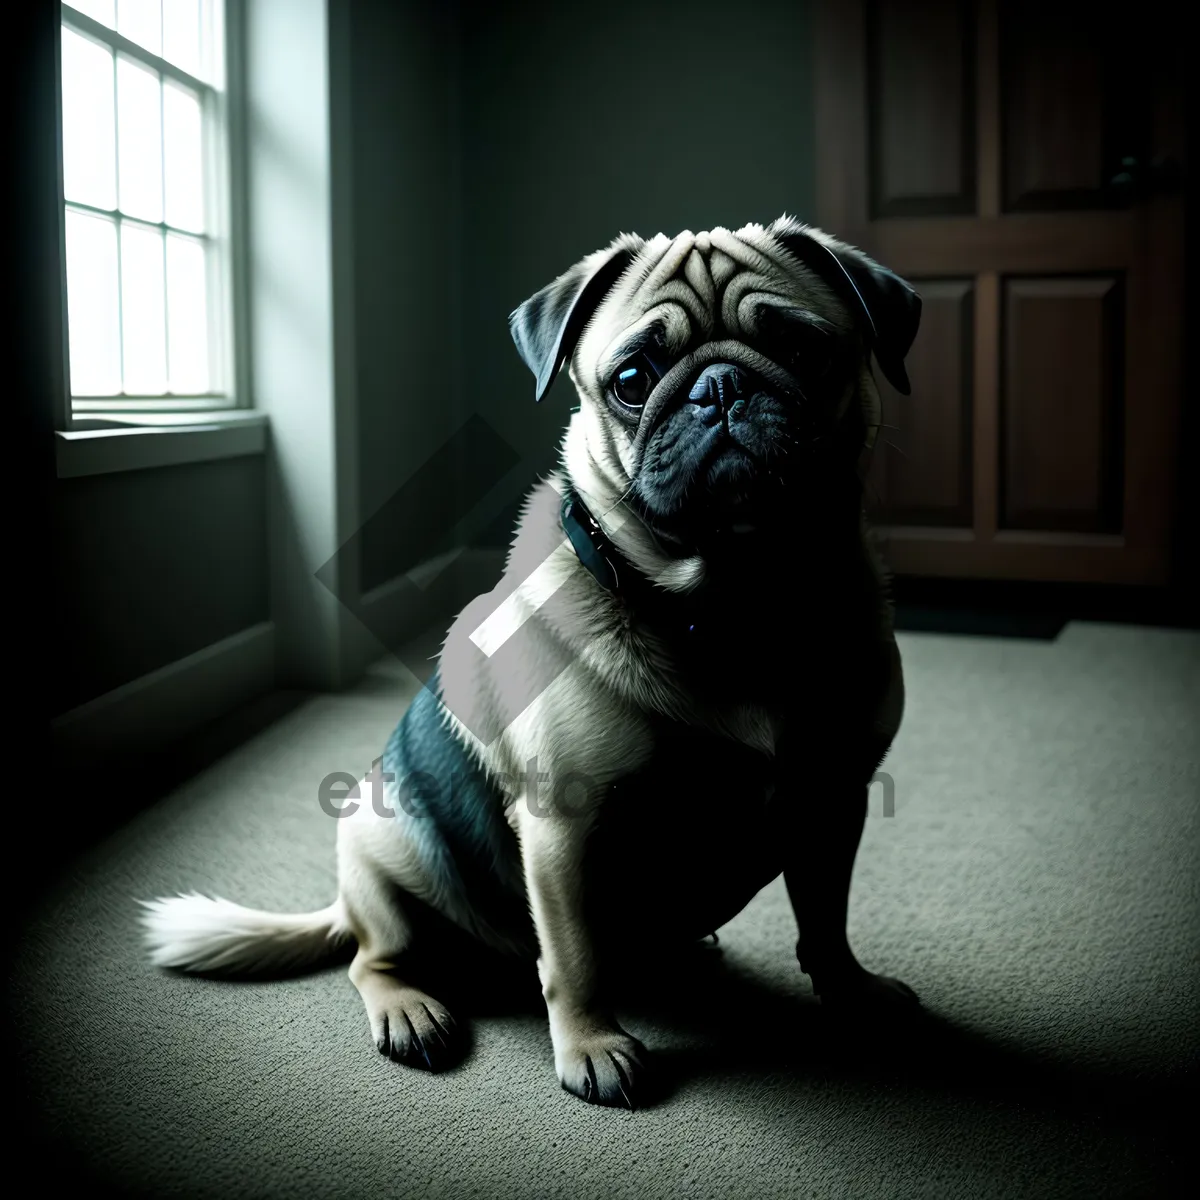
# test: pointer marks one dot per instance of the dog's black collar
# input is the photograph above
(589, 540)
(668, 611)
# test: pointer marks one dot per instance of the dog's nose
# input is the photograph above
(718, 389)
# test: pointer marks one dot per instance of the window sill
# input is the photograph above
(104, 443)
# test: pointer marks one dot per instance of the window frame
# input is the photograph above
(221, 132)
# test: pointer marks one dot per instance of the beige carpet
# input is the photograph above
(1037, 885)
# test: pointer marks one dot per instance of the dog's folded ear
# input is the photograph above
(548, 325)
(888, 308)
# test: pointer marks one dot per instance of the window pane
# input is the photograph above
(89, 141)
(139, 116)
(185, 180)
(142, 310)
(181, 34)
(187, 309)
(140, 21)
(92, 309)
(103, 11)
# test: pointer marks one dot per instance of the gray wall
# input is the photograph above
(581, 121)
(407, 273)
(152, 565)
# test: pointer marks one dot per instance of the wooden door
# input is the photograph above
(1020, 163)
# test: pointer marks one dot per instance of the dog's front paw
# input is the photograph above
(414, 1029)
(602, 1066)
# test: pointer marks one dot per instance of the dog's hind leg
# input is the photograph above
(408, 1024)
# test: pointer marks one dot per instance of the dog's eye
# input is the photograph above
(633, 382)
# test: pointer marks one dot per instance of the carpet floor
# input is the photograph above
(1037, 883)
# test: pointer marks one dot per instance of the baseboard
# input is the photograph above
(1034, 609)
(150, 713)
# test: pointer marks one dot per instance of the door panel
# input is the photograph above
(972, 147)
(1059, 404)
(921, 84)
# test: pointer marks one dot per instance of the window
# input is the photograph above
(146, 197)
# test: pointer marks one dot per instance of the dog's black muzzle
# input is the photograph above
(714, 379)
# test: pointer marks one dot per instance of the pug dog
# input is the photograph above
(680, 689)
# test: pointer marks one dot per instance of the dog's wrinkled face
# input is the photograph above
(723, 376)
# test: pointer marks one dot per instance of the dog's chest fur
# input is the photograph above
(676, 846)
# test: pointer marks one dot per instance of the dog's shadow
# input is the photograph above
(710, 1018)
(720, 1021)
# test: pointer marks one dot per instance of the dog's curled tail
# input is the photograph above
(210, 936)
